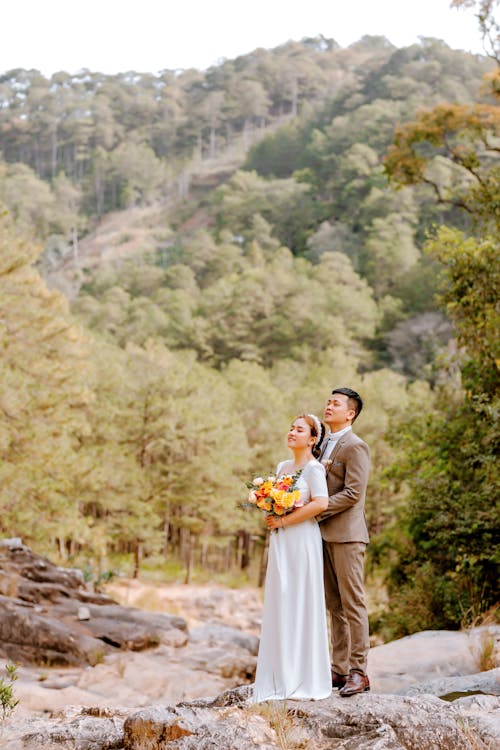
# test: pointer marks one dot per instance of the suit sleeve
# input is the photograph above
(357, 468)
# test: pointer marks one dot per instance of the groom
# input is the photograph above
(345, 536)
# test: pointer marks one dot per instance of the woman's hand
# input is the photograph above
(274, 522)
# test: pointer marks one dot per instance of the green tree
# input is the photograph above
(447, 567)
(138, 173)
(29, 199)
(44, 399)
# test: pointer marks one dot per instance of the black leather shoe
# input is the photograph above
(355, 683)
(338, 680)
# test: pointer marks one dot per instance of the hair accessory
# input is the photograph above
(318, 427)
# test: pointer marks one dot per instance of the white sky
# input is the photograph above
(113, 36)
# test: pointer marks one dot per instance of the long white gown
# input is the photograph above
(293, 660)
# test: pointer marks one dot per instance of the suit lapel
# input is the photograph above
(335, 450)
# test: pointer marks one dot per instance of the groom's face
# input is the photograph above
(338, 413)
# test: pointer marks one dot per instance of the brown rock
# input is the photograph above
(29, 637)
(39, 622)
(229, 722)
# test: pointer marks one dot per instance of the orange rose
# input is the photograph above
(277, 495)
(290, 499)
(264, 504)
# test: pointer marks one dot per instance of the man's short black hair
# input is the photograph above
(355, 401)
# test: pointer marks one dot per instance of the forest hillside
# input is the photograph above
(190, 259)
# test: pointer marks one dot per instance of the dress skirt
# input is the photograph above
(293, 661)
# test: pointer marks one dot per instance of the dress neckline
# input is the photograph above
(301, 468)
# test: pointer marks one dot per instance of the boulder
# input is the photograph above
(73, 728)
(41, 618)
(423, 657)
(483, 713)
(364, 722)
(231, 722)
(451, 688)
(29, 637)
(218, 634)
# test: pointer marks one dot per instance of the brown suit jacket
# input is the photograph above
(347, 472)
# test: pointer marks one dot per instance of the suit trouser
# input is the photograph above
(345, 600)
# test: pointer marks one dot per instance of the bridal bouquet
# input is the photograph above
(275, 495)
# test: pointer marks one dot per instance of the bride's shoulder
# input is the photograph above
(284, 466)
(314, 466)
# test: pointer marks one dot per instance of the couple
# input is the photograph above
(308, 561)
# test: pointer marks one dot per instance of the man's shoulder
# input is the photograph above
(351, 439)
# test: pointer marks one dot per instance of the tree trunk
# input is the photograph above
(53, 154)
(263, 562)
(245, 550)
(227, 557)
(188, 557)
(246, 133)
(204, 554)
(137, 558)
(99, 192)
(75, 243)
(212, 142)
(295, 97)
(166, 532)
(62, 548)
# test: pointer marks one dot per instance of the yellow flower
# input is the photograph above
(279, 510)
(266, 487)
(277, 496)
(289, 498)
(264, 504)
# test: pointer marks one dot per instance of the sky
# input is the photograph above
(111, 36)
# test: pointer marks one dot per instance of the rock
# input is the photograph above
(128, 627)
(423, 657)
(419, 722)
(237, 608)
(450, 688)
(71, 729)
(217, 634)
(483, 713)
(48, 615)
(14, 543)
(196, 728)
(230, 662)
(28, 637)
(230, 722)
(83, 613)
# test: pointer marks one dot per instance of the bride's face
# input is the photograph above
(299, 434)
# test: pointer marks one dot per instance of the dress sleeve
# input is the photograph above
(316, 479)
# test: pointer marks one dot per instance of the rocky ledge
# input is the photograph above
(143, 692)
(49, 615)
(231, 722)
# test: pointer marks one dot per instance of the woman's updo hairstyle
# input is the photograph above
(318, 431)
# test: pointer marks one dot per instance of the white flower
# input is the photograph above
(252, 497)
(271, 478)
(258, 481)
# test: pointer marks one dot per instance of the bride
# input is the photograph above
(293, 660)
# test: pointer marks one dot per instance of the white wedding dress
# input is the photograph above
(293, 659)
